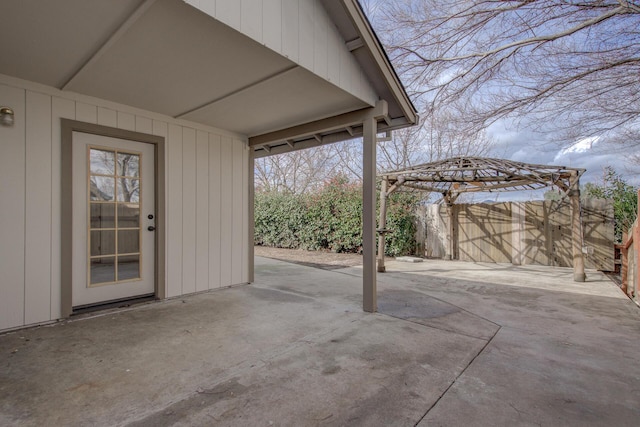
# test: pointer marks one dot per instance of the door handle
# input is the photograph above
(151, 228)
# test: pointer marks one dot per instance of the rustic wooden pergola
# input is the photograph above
(457, 175)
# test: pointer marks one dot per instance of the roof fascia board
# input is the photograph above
(330, 124)
(340, 135)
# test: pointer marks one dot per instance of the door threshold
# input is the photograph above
(107, 305)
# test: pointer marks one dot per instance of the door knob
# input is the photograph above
(151, 228)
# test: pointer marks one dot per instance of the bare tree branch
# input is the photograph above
(566, 67)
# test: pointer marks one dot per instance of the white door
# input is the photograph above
(113, 219)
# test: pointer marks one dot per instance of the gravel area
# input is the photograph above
(317, 259)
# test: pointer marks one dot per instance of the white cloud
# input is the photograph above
(581, 146)
(592, 154)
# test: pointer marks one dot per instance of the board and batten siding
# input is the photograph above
(300, 30)
(206, 203)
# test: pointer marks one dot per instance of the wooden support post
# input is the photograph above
(251, 217)
(382, 224)
(369, 285)
(576, 230)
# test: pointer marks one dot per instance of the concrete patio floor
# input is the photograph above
(454, 344)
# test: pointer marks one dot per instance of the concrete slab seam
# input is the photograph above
(457, 376)
(413, 322)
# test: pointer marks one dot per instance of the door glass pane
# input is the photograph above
(128, 215)
(128, 190)
(102, 162)
(114, 220)
(128, 267)
(128, 241)
(102, 270)
(101, 188)
(102, 242)
(103, 215)
(128, 164)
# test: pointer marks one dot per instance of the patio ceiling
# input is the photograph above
(167, 57)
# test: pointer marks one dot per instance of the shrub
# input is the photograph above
(330, 219)
(402, 223)
(623, 196)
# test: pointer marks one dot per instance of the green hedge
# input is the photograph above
(330, 219)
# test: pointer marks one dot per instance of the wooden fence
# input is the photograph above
(630, 249)
(519, 233)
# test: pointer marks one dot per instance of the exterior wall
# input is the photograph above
(206, 203)
(536, 233)
(300, 30)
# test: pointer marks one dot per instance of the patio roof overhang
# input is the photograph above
(174, 58)
(168, 57)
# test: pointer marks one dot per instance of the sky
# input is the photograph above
(520, 144)
(514, 143)
(592, 154)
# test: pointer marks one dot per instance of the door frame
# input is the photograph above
(66, 242)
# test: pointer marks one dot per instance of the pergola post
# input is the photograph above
(369, 285)
(382, 224)
(576, 229)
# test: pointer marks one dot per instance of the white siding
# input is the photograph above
(226, 208)
(271, 22)
(12, 211)
(107, 117)
(320, 30)
(300, 30)
(144, 125)
(215, 215)
(174, 211)
(126, 121)
(37, 270)
(290, 29)
(236, 206)
(251, 21)
(188, 210)
(228, 11)
(60, 108)
(206, 200)
(306, 18)
(202, 211)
